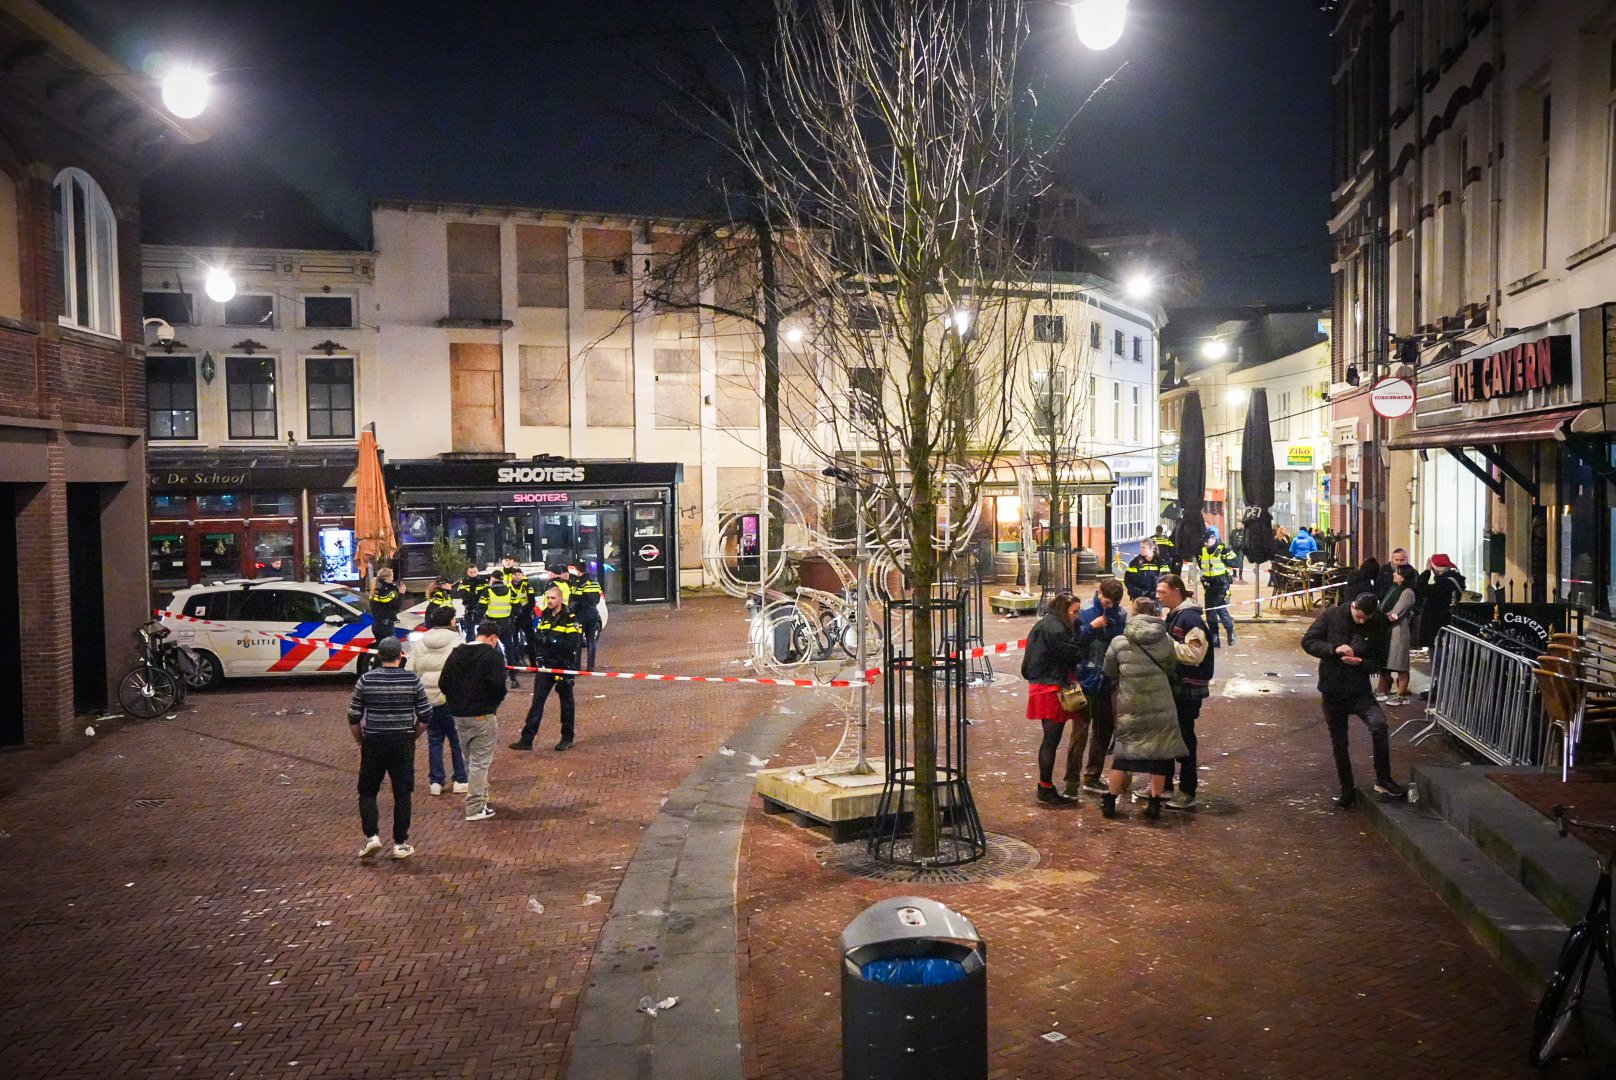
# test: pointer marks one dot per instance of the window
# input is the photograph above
(736, 391)
(863, 315)
(1610, 142)
(1094, 335)
(1049, 328)
(1543, 168)
(334, 504)
(250, 309)
(1461, 247)
(541, 266)
(174, 308)
(1282, 422)
(331, 397)
(1130, 509)
(866, 390)
(1116, 412)
(336, 312)
(171, 397)
(1048, 402)
(1138, 413)
(87, 237)
(546, 390)
(678, 388)
(218, 506)
(10, 250)
(672, 273)
(474, 289)
(1138, 350)
(609, 388)
(1118, 343)
(274, 503)
(608, 285)
(171, 506)
(250, 388)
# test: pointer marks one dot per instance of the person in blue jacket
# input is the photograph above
(1100, 620)
(1304, 544)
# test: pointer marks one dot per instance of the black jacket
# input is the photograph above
(558, 635)
(473, 680)
(1438, 591)
(1335, 627)
(1052, 652)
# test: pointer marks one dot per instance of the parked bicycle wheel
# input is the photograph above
(147, 692)
(1558, 1007)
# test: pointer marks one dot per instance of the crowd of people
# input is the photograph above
(456, 680)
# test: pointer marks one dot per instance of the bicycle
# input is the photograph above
(159, 681)
(1562, 996)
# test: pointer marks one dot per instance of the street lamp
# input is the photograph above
(185, 92)
(1216, 349)
(1140, 286)
(1100, 22)
(794, 335)
(862, 622)
(219, 285)
(959, 321)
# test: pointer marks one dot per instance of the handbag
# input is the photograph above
(1072, 698)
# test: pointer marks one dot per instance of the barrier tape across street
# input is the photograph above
(645, 676)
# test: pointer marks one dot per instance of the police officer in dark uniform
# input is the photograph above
(1144, 571)
(522, 590)
(385, 602)
(469, 592)
(559, 639)
(499, 608)
(586, 598)
(1165, 553)
(439, 596)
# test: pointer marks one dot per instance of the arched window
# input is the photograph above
(87, 236)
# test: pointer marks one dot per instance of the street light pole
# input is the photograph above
(861, 557)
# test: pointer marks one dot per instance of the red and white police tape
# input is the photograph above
(869, 676)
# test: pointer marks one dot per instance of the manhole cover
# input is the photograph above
(1006, 856)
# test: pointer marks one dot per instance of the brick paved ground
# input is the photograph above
(182, 898)
(1265, 935)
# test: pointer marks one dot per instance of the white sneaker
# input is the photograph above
(372, 846)
(1397, 699)
(1382, 698)
(403, 851)
(482, 815)
(461, 787)
(437, 789)
(1181, 800)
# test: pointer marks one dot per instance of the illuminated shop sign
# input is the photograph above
(1519, 369)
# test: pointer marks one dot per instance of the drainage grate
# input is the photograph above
(148, 803)
(1006, 857)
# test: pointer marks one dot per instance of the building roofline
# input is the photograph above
(510, 210)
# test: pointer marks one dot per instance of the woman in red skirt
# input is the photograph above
(1050, 663)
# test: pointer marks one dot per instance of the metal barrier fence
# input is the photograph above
(1485, 696)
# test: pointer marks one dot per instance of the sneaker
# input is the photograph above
(1390, 789)
(1094, 787)
(482, 815)
(436, 789)
(520, 745)
(461, 787)
(372, 846)
(403, 851)
(1383, 698)
(1050, 797)
(1183, 800)
(1397, 699)
(564, 744)
(1347, 799)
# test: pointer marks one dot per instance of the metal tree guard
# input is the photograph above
(960, 837)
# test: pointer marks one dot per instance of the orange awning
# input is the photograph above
(373, 522)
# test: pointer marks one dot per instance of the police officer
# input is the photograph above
(559, 639)
(440, 596)
(1143, 572)
(587, 602)
(522, 590)
(499, 608)
(1165, 555)
(1216, 574)
(469, 592)
(558, 577)
(385, 602)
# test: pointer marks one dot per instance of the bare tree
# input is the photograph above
(887, 144)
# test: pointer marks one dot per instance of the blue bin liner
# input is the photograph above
(915, 971)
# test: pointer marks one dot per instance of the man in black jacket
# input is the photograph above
(1350, 643)
(558, 635)
(473, 685)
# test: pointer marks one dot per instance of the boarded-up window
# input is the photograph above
(735, 276)
(541, 266)
(678, 388)
(736, 394)
(690, 520)
(474, 271)
(546, 394)
(673, 273)
(799, 392)
(608, 282)
(610, 388)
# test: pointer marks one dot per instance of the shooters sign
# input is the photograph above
(1519, 369)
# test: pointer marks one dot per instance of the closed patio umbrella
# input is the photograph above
(1191, 531)
(373, 522)
(1257, 483)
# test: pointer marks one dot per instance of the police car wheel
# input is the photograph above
(209, 672)
(362, 663)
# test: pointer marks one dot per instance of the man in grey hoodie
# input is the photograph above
(427, 656)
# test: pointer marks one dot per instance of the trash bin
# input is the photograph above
(914, 994)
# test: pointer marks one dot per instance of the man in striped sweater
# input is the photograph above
(387, 713)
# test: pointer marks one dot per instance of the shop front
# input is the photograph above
(218, 519)
(619, 518)
(1017, 517)
(1522, 418)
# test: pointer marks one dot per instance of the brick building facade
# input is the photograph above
(74, 140)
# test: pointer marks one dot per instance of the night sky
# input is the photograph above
(1218, 125)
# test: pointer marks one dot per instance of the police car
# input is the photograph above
(243, 619)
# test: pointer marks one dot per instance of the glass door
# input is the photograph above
(476, 533)
(600, 545)
(218, 556)
(555, 537)
(274, 552)
(648, 554)
(169, 557)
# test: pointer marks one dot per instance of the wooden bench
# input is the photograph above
(1014, 603)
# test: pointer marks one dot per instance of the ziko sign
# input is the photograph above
(1531, 365)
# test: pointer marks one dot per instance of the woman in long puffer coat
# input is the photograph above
(1147, 738)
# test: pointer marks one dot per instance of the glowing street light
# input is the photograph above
(1100, 22)
(219, 285)
(1140, 286)
(958, 320)
(1235, 396)
(185, 92)
(1216, 349)
(794, 335)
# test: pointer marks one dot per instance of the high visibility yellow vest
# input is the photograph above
(497, 602)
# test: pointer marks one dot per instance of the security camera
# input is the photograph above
(165, 333)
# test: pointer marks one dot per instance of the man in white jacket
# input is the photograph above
(427, 656)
